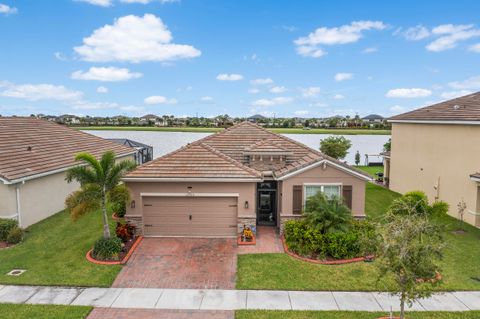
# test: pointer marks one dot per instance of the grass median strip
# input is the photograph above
(23, 311)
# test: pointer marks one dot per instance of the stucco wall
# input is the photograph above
(426, 155)
(246, 191)
(328, 175)
(8, 204)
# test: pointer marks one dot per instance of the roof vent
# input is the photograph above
(29, 148)
(456, 107)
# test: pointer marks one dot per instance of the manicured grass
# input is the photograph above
(53, 253)
(215, 129)
(272, 314)
(11, 311)
(280, 271)
(371, 169)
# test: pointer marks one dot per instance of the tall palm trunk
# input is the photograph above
(106, 227)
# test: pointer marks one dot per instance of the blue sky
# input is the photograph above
(188, 57)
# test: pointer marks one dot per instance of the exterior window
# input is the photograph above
(329, 191)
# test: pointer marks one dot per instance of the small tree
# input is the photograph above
(357, 158)
(335, 146)
(462, 207)
(327, 214)
(387, 147)
(100, 185)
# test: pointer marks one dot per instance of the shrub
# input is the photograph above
(120, 209)
(439, 208)
(342, 245)
(15, 235)
(6, 225)
(412, 203)
(327, 214)
(125, 231)
(107, 248)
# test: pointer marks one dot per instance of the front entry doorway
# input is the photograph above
(267, 203)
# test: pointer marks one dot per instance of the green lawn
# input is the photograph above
(215, 129)
(53, 253)
(280, 271)
(271, 314)
(11, 311)
(371, 169)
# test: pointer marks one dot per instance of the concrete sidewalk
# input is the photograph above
(201, 299)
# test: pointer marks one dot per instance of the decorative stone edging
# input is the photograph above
(322, 262)
(246, 243)
(120, 262)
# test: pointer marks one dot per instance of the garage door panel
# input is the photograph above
(169, 216)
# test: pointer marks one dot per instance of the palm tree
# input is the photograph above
(100, 185)
(327, 214)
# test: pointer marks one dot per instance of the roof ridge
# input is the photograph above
(231, 160)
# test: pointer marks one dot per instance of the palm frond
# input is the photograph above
(85, 200)
(107, 162)
(92, 162)
(82, 174)
(119, 194)
(117, 171)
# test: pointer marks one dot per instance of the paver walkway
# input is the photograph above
(228, 300)
(267, 241)
(192, 263)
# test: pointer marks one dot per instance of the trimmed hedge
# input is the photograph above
(307, 241)
(6, 225)
(107, 249)
(15, 236)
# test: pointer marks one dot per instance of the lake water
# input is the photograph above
(165, 142)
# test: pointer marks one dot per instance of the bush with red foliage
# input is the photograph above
(125, 231)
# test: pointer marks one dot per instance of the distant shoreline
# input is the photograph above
(336, 131)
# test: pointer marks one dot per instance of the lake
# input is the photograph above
(165, 142)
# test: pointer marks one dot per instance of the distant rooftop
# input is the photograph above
(373, 117)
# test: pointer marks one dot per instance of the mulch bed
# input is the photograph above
(124, 255)
(329, 261)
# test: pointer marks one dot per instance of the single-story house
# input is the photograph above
(435, 149)
(34, 156)
(243, 175)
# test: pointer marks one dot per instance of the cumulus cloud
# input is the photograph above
(278, 89)
(343, 76)
(106, 74)
(272, 102)
(416, 33)
(312, 91)
(472, 83)
(408, 93)
(102, 89)
(450, 35)
(101, 3)
(134, 39)
(311, 44)
(6, 10)
(229, 77)
(475, 48)
(158, 99)
(263, 81)
(37, 92)
(454, 94)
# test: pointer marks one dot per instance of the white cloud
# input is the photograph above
(134, 39)
(253, 91)
(370, 50)
(451, 35)
(6, 10)
(261, 81)
(102, 89)
(408, 93)
(301, 112)
(106, 74)
(416, 33)
(475, 48)
(338, 97)
(229, 77)
(472, 83)
(272, 102)
(454, 94)
(343, 76)
(350, 33)
(158, 99)
(312, 91)
(397, 109)
(206, 98)
(101, 3)
(278, 89)
(36, 92)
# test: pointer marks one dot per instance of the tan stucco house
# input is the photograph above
(241, 175)
(436, 149)
(34, 156)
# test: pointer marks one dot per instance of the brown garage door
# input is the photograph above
(190, 216)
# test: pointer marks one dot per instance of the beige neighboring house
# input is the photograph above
(241, 175)
(34, 156)
(436, 149)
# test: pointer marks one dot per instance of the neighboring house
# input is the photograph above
(436, 149)
(241, 175)
(144, 152)
(34, 155)
(373, 118)
(255, 118)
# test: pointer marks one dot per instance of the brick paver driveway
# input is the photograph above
(195, 263)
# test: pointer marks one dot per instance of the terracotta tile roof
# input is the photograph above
(231, 144)
(266, 147)
(465, 108)
(196, 160)
(30, 146)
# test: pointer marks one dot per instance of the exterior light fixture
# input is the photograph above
(246, 204)
(132, 204)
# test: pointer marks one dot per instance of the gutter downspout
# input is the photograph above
(17, 193)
